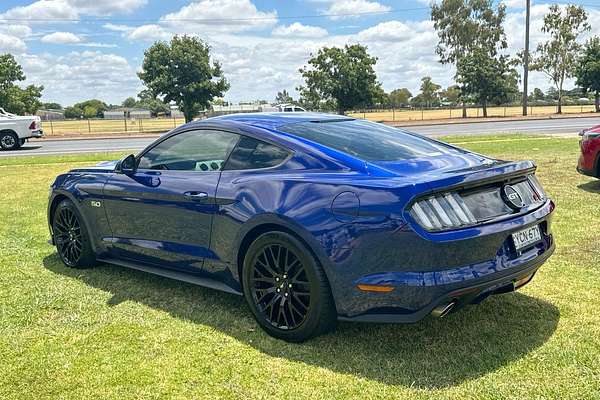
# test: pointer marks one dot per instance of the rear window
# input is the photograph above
(367, 140)
(254, 154)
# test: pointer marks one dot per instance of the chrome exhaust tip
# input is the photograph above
(443, 309)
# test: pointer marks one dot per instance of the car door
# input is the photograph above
(162, 213)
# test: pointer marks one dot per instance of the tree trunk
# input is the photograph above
(484, 104)
(559, 107)
(464, 110)
(340, 111)
(597, 98)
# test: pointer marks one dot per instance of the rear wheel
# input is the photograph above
(9, 141)
(286, 288)
(71, 237)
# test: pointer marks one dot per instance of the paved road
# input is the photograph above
(553, 127)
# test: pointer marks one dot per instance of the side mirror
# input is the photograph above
(128, 165)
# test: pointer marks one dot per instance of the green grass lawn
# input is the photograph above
(114, 333)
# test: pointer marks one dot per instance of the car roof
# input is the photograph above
(273, 120)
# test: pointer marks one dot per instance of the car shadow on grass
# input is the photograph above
(434, 353)
(591, 186)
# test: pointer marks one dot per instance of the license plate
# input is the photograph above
(527, 237)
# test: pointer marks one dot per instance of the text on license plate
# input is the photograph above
(527, 237)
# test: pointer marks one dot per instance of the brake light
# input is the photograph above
(32, 126)
(443, 211)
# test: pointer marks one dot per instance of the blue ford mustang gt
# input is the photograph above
(312, 218)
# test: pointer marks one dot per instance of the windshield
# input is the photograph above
(366, 140)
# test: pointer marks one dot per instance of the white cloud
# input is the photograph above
(21, 31)
(298, 30)
(393, 31)
(117, 28)
(347, 8)
(46, 10)
(97, 75)
(220, 15)
(11, 44)
(514, 3)
(61, 38)
(148, 33)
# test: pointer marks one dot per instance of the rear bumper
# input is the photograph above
(587, 172)
(469, 292)
(37, 134)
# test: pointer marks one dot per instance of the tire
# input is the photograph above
(286, 288)
(9, 141)
(71, 237)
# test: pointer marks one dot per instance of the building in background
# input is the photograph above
(128, 113)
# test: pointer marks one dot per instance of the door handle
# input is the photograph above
(196, 196)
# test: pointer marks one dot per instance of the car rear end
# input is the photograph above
(590, 148)
(35, 128)
(466, 235)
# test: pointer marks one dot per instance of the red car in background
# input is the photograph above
(590, 149)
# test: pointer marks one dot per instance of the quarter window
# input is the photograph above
(255, 154)
(199, 150)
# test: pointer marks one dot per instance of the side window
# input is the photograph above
(254, 154)
(199, 150)
(288, 109)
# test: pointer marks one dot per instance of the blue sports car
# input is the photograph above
(313, 218)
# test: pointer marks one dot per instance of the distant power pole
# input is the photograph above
(526, 59)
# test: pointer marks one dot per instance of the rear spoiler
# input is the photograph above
(498, 172)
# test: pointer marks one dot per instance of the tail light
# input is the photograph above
(454, 210)
(33, 125)
(442, 211)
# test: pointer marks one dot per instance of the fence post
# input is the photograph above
(141, 126)
(174, 124)
(125, 120)
(422, 114)
(51, 128)
(89, 127)
(504, 111)
(393, 114)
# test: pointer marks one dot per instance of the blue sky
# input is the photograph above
(79, 49)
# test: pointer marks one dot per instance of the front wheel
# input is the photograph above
(71, 237)
(287, 289)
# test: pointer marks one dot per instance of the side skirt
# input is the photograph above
(180, 276)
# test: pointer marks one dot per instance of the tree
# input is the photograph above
(90, 112)
(487, 79)
(537, 94)
(182, 72)
(465, 25)
(13, 98)
(429, 91)
(73, 112)
(399, 97)
(343, 76)
(587, 70)
(51, 106)
(283, 97)
(558, 56)
(129, 102)
(451, 95)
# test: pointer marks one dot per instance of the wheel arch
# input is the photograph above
(11, 131)
(56, 200)
(276, 224)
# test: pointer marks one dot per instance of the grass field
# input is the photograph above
(113, 333)
(106, 126)
(418, 115)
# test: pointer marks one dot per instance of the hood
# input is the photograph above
(103, 166)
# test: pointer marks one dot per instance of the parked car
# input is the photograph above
(15, 130)
(590, 149)
(282, 108)
(312, 218)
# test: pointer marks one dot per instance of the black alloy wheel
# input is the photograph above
(287, 289)
(70, 237)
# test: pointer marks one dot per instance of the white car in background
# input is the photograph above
(15, 130)
(282, 108)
